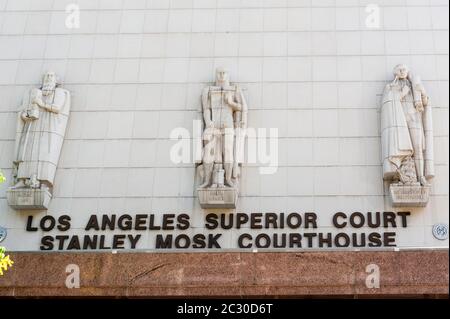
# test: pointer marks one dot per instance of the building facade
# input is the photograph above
(312, 214)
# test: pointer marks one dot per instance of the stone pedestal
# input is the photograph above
(220, 197)
(409, 196)
(28, 199)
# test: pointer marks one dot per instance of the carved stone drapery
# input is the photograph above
(41, 128)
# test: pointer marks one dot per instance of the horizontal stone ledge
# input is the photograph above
(407, 273)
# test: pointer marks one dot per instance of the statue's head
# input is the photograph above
(48, 83)
(401, 71)
(222, 77)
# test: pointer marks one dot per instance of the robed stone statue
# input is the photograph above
(41, 128)
(407, 139)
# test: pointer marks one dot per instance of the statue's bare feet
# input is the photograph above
(229, 183)
(20, 184)
(423, 181)
(204, 185)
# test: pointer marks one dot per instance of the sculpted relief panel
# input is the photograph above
(41, 128)
(407, 139)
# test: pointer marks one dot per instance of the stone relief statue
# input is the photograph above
(225, 120)
(41, 128)
(407, 139)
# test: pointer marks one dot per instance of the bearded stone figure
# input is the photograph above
(407, 139)
(225, 120)
(41, 128)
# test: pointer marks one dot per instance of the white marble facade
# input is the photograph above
(136, 69)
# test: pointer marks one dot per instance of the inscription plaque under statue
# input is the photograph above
(410, 196)
(29, 198)
(223, 197)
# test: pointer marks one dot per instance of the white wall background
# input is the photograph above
(136, 68)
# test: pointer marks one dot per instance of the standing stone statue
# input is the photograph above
(407, 139)
(225, 119)
(40, 134)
